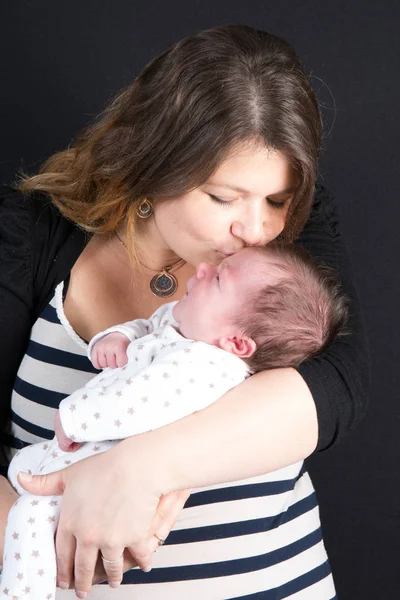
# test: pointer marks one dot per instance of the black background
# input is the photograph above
(62, 61)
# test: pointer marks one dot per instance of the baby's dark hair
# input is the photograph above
(297, 316)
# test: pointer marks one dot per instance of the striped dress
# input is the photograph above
(255, 538)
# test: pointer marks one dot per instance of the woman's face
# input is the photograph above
(245, 203)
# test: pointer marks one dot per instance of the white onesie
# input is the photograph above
(167, 377)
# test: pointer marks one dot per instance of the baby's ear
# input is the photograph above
(243, 347)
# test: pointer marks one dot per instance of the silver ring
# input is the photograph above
(161, 542)
(111, 562)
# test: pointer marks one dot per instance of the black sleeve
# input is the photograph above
(38, 248)
(339, 378)
(15, 290)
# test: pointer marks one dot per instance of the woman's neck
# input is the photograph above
(152, 252)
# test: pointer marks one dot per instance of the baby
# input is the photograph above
(261, 308)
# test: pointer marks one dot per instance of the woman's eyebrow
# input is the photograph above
(236, 188)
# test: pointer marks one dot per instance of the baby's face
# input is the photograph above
(216, 295)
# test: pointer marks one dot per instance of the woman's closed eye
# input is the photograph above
(273, 203)
(219, 200)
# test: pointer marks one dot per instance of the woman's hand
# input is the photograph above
(111, 501)
(7, 498)
(168, 510)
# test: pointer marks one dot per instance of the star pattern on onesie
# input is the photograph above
(116, 385)
(140, 389)
(19, 546)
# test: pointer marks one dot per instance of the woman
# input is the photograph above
(213, 147)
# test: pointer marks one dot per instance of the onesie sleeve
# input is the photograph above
(339, 378)
(138, 328)
(16, 290)
(133, 330)
(184, 378)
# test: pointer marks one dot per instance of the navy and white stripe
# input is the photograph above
(256, 538)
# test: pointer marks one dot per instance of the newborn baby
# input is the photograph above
(261, 308)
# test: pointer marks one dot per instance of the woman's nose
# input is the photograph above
(257, 226)
(252, 234)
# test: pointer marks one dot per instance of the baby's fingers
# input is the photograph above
(103, 360)
(121, 358)
(95, 360)
(111, 359)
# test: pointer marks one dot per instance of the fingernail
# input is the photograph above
(114, 584)
(25, 476)
(63, 585)
(81, 595)
(147, 569)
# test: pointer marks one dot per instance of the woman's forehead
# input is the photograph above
(255, 171)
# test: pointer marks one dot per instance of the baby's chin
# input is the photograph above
(176, 309)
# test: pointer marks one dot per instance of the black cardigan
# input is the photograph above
(38, 248)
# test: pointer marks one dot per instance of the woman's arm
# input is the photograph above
(15, 291)
(264, 423)
(338, 379)
(270, 420)
(267, 422)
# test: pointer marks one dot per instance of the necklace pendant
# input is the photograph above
(163, 285)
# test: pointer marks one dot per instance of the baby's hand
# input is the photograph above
(65, 443)
(110, 351)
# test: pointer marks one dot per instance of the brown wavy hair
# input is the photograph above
(170, 130)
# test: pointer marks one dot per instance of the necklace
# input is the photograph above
(163, 284)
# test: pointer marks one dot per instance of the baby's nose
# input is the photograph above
(204, 270)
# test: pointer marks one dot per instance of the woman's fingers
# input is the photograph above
(100, 574)
(168, 510)
(65, 555)
(85, 563)
(113, 563)
(125, 517)
(52, 484)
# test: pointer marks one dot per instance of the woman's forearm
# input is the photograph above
(267, 422)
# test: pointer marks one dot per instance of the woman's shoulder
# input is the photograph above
(324, 203)
(321, 235)
(28, 212)
(15, 250)
(32, 226)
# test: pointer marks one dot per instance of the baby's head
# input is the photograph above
(271, 306)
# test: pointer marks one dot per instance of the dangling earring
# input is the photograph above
(145, 209)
